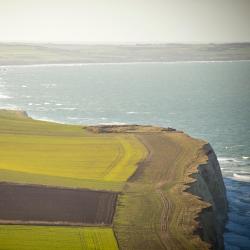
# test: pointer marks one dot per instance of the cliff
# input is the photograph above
(209, 186)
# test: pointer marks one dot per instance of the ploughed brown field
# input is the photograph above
(27, 204)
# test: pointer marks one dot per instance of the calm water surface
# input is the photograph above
(207, 100)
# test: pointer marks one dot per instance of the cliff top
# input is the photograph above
(151, 167)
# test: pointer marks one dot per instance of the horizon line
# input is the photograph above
(120, 43)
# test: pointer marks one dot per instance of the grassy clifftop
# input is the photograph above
(152, 169)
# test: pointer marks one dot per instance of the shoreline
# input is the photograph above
(69, 64)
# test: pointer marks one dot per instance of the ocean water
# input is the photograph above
(208, 100)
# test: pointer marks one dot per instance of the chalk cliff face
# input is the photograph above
(210, 187)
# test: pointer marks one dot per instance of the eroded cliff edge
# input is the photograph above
(209, 185)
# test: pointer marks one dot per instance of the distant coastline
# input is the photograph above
(72, 54)
(65, 64)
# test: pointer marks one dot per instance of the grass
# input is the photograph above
(29, 178)
(153, 212)
(53, 238)
(40, 152)
(137, 219)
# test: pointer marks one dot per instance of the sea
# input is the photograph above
(208, 100)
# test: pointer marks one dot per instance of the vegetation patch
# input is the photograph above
(29, 178)
(64, 155)
(56, 238)
(154, 212)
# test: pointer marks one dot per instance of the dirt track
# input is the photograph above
(20, 204)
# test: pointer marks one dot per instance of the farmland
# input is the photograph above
(59, 206)
(124, 185)
(39, 152)
(57, 155)
(55, 238)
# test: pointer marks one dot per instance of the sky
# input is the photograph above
(125, 21)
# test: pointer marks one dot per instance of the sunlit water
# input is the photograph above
(207, 100)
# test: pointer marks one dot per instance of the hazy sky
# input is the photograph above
(125, 20)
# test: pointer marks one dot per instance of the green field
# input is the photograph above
(53, 238)
(40, 152)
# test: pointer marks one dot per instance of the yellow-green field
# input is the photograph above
(40, 152)
(53, 238)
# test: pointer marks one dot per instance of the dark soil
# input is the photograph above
(29, 204)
